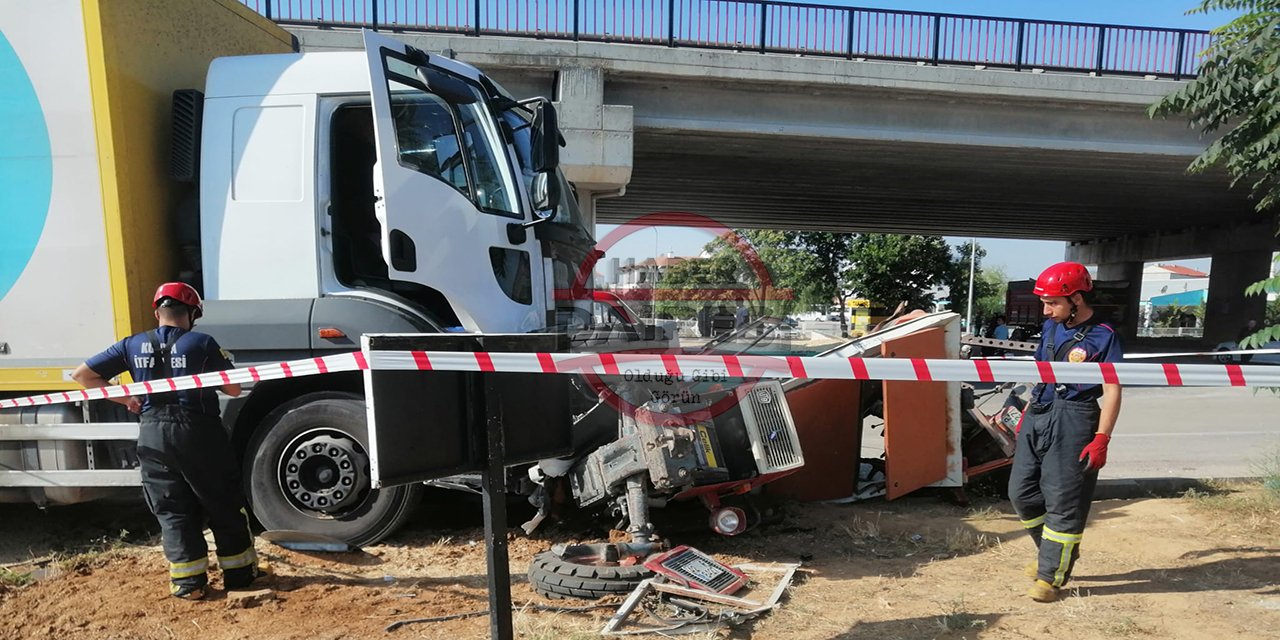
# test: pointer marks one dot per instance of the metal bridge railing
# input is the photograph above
(767, 26)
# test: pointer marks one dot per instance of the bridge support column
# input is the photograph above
(599, 136)
(1228, 309)
(1130, 272)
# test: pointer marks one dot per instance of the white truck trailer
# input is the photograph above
(311, 197)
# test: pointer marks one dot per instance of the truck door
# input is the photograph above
(447, 193)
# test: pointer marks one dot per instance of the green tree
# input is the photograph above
(1237, 91)
(687, 286)
(804, 269)
(988, 288)
(991, 301)
(889, 269)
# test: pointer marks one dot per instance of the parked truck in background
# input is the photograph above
(311, 197)
(1025, 315)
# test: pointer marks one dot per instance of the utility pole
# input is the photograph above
(968, 316)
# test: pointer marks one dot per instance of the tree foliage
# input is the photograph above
(1237, 92)
(812, 269)
(988, 288)
(889, 269)
(687, 286)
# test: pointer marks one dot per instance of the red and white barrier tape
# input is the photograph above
(701, 367)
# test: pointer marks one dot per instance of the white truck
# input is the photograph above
(311, 197)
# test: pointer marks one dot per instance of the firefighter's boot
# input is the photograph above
(1042, 591)
(187, 591)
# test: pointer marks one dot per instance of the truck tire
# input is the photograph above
(558, 578)
(307, 469)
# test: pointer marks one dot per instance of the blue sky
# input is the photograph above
(1019, 258)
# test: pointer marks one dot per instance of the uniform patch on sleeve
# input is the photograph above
(226, 355)
(1078, 354)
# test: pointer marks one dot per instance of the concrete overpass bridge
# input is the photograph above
(847, 144)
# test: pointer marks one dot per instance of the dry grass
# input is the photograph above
(553, 626)
(1249, 508)
(986, 513)
(98, 553)
(1092, 612)
(956, 617)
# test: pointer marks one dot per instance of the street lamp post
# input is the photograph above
(968, 316)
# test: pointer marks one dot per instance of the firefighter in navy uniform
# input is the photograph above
(188, 469)
(1063, 436)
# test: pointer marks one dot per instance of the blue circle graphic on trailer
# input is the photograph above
(26, 168)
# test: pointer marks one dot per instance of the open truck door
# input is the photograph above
(443, 171)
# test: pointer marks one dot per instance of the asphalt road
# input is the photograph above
(1195, 433)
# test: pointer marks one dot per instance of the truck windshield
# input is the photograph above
(458, 144)
(567, 212)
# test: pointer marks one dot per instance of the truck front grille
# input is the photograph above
(774, 440)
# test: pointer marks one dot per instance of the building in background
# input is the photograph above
(1172, 300)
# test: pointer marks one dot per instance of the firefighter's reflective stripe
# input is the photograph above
(1034, 522)
(178, 570)
(1062, 538)
(1068, 542)
(245, 558)
(239, 560)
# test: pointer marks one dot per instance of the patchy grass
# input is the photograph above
(1124, 626)
(1249, 507)
(97, 554)
(988, 512)
(957, 617)
(13, 579)
(1268, 468)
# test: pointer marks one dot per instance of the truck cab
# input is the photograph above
(344, 193)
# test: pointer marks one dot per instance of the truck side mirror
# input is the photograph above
(545, 137)
(545, 192)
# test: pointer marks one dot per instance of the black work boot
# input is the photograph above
(187, 591)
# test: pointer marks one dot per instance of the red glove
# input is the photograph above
(1094, 454)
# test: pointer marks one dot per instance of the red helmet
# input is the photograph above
(180, 292)
(1063, 279)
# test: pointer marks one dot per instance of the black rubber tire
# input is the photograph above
(376, 514)
(557, 578)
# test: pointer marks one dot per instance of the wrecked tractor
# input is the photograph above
(643, 446)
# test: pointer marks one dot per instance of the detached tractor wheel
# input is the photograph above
(307, 469)
(582, 573)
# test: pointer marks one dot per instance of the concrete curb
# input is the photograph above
(1134, 488)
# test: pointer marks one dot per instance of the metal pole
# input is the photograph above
(477, 18)
(968, 316)
(1102, 46)
(764, 17)
(374, 4)
(1177, 64)
(1022, 28)
(937, 38)
(671, 23)
(495, 510)
(851, 26)
(268, 4)
(576, 3)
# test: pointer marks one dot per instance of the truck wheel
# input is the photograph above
(559, 578)
(308, 470)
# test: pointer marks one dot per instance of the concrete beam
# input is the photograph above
(1130, 272)
(599, 137)
(1189, 243)
(824, 99)
(1228, 309)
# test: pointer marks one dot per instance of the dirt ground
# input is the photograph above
(1186, 567)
